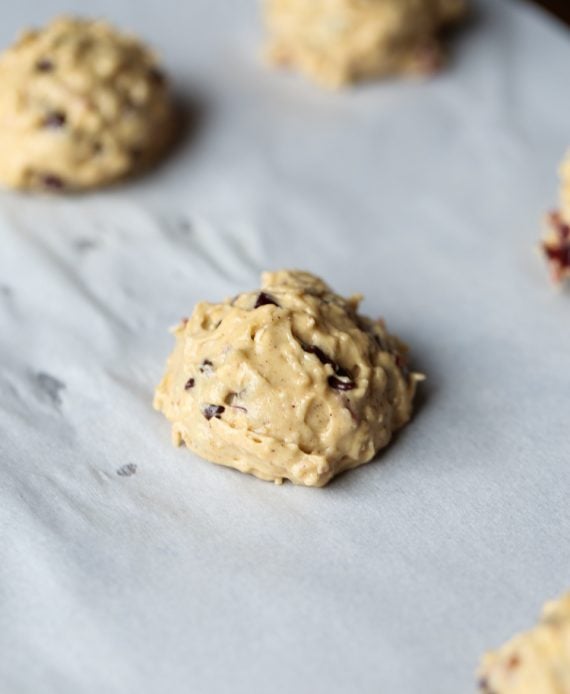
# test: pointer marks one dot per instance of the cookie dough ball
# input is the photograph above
(556, 241)
(341, 41)
(537, 662)
(81, 105)
(286, 382)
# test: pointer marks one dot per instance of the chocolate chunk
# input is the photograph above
(55, 119)
(210, 411)
(342, 380)
(337, 384)
(321, 356)
(52, 182)
(190, 383)
(44, 65)
(264, 300)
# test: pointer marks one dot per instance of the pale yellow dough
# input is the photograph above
(300, 388)
(565, 189)
(536, 662)
(81, 105)
(339, 41)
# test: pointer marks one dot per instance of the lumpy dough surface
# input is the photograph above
(340, 41)
(286, 382)
(81, 105)
(536, 662)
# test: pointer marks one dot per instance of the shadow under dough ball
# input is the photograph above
(81, 105)
(286, 382)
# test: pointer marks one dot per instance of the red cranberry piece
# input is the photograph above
(264, 300)
(190, 383)
(557, 249)
(52, 182)
(210, 411)
(44, 65)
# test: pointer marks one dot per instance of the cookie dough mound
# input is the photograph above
(287, 382)
(556, 240)
(81, 105)
(537, 662)
(341, 41)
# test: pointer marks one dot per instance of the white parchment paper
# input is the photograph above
(127, 566)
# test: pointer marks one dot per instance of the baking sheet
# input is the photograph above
(129, 566)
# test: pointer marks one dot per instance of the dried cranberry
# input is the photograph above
(557, 248)
(52, 182)
(264, 300)
(44, 65)
(190, 383)
(210, 411)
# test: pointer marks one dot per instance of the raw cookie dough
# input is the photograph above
(341, 41)
(556, 241)
(81, 105)
(287, 382)
(537, 662)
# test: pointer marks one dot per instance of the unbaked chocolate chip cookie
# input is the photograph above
(286, 382)
(81, 105)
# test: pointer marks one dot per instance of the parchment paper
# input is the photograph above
(128, 566)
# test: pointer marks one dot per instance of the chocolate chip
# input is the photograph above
(210, 411)
(342, 380)
(190, 383)
(341, 372)
(206, 367)
(321, 356)
(55, 119)
(337, 384)
(44, 65)
(52, 182)
(265, 300)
